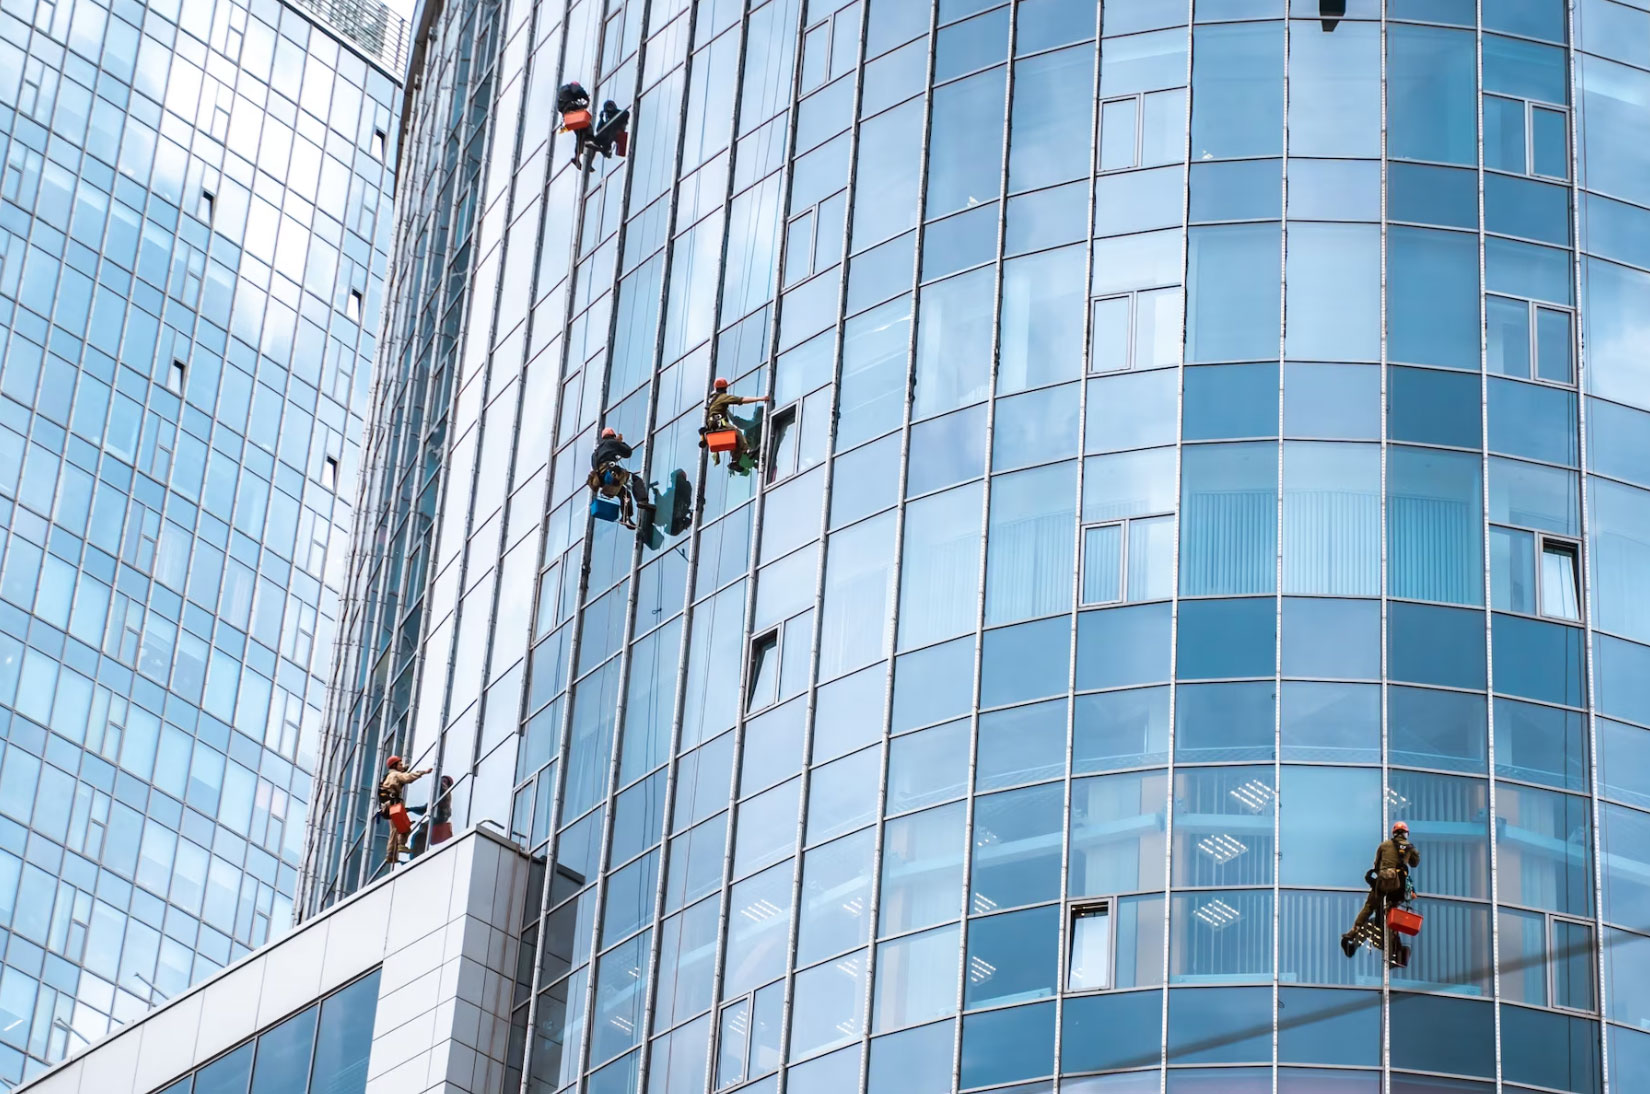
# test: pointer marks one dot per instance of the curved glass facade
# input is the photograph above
(191, 266)
(1203, 435)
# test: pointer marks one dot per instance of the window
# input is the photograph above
(764, 671)
(1088, 965)
(174, 379)
(1546, 960)
(1524, 138)
(1534, 574)
(1137, 330)
(1128, 560)
(329, 472)
(378, 144)
(782, 443)
(206, 206)
(1142, 130)
(1529, 341)
(352, 309)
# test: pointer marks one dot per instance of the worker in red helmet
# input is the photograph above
(391, 793)
(1388, 883)
(608, 477)
(721, 401)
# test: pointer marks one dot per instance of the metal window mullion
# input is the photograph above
(1583, 563)
(985, 553)
(1064, 935)
(565, 690)
(816, 637)
(1277, 578)
(902, 475)
(1174, 593)
(1385, 450)
(650, 988)
(725, 897)
(1484, 551)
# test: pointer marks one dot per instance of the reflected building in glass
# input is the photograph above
(194, 209)
(1202, 436)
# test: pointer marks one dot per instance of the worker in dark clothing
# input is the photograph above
(609, 133)
(608, 478)
(1389, 883)
(573, 103)
(717, 418)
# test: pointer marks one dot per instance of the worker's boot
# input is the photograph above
(1349, 943)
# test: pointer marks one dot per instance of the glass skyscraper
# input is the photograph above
(194, 209)
(1203, 434)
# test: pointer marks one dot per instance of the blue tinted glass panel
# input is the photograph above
(1229, 510)
(1457, 866)
(1335, 91)
(1223, 835)
(1623, 678)
(344, 1038)
(1524, 207)
(928, 767)
(1430, 645)
(1332, 518)
(915, 1060)
(923, 691)
(1331, 723)
(1624, 762)
(1111, 1031)
(1224, 722)
(1002, 1046)
(1334, 189)
(959, 242)
(1119, 647)
(1618, 441)
(1524, 269)
(1432, 100)
(1021, 745)
(1442, 729)
(1118, 729)
(1532, 19)
(1556, 1051)
(1233, 287)
(1528, 70)
(1226, 638)
(1334, 292)
(282, 1063)
(1131, 410)
(226, 1075)
(1229, 402)
(1544, 745)
(1624, 837)
(1059, 215)
(1237, 90)
(1340, 639)
(1326, 815)
(1117, 825)
(947, 450)
(1016, 847)
(1434, 407)
(1434, 525)
(1036, 427)
(1049, 146)
(1318, 1026)
(1012, 958)
(1240, 190)
(1030, 661)
(1218, 1025)
(1432, 298)
(1446, 196)
(1533, 421)
(1533, 496)
(1334, 401)
(1537, 660)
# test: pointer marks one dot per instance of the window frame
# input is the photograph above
(1123, 524)
(1131, 333)
(177, 377)
(1089, 907)
(767, 644)
(1533, 310)
(1558, 545)
(790, 416)
(1530, 107)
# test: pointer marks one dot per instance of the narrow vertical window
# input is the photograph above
(1109, 335)
(764, 671)
(1103, 564)
(378, 144)
(1554, 352)
(352, 310)
(1089, 964)
(799, 248)
(782, 446)
(1118, 134)
(329, 473)
(206, 206)
(1559, 599)
(174, 378)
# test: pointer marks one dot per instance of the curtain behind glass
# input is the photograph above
(1229, 527)
(1332, 519)
(1435, 520)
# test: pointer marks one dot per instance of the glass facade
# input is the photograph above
(1202, 435)
(194, 202)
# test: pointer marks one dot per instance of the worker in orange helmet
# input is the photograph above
(717, 419)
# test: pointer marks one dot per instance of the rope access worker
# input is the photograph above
(1388, 884)
(608, 478)
(390, 796)
(717, 419)
(573, 103)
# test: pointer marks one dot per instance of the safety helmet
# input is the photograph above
(721, 384)
(393, 761)
(608, 432)
(1400, 826)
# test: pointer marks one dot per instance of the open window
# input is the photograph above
(764, 671)
(378, 142)
(1135, 330)
(175, 377)
(206, 206)
(352, 308)
(1128, 560)
(329, 472)
(1535, 574)
(1089, 960)
(783, 443)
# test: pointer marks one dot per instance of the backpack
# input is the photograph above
(387, 796)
